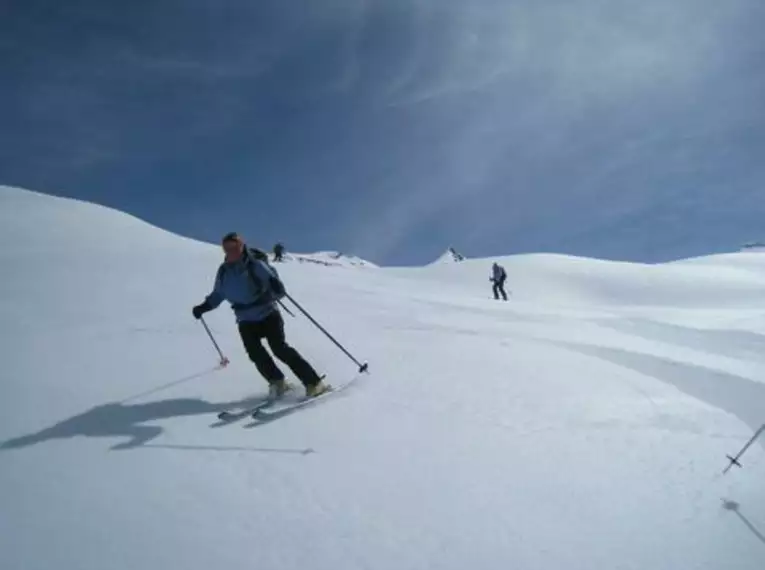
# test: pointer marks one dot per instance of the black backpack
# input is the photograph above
(257, 253)
(276, 285)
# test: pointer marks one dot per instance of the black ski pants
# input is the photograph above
(499, 287)
(272, 330)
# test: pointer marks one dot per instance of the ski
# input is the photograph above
(278, 410)
(234, 414)
(266, 415)
(237, 414)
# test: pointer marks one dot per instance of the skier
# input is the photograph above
(279, 252)
(456, 256)
(498, 277)
(253, 287)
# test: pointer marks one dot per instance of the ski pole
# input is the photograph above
(286, 310)
(223, 360)
(362, 367)
(734, 460)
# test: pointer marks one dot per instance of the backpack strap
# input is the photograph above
(249, 256)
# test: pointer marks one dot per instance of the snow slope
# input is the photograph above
(582, 425)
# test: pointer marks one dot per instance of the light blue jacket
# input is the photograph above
(251, 299)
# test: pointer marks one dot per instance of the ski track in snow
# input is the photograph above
(582, 425)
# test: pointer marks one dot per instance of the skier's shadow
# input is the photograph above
(123, 420)
(734, 507)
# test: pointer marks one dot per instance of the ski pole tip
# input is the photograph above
(364, 367)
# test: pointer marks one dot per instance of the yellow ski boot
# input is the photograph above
(316, 389)
(277, 390)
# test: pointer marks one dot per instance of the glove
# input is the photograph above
(200, 310)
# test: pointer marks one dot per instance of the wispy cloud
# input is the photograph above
(516, 124)
(196, 69)
(578, 87)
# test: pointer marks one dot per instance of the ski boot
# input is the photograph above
(277, 389)
(313, 390)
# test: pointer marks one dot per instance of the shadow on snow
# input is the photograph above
(734, 394)
(734, 507)
(123, 419)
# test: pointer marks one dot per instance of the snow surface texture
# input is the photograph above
(582, 425)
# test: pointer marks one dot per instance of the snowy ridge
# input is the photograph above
(753, 246)
(449, 256)
(582, 425)
(329, 259)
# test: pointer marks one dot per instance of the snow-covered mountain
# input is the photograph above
(753, 246)
(582, 425)
(449, 256)
(329, 259)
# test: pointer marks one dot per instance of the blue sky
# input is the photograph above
(391, 128)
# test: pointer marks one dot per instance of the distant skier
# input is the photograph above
(279, 252)
(456, 256)
(498, 277)
(253, 287)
